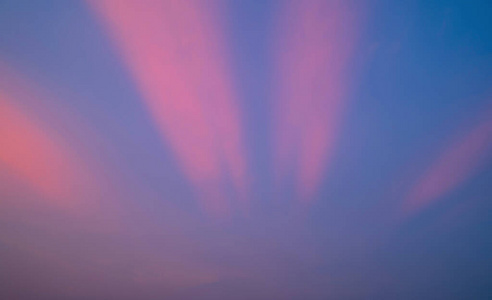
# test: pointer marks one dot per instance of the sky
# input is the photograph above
(245, 149)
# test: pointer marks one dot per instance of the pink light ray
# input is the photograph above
(175, 51)
(34, 154)
(453, 167)
(46, 168)
(316, 44)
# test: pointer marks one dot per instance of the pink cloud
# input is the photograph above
(47, 166)
(176, 54)
(454, 166)
(34, 154)
(316, 43)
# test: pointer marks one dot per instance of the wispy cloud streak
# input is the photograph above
(35, 152)
(455, 165)
(47, 160)
(176, 53)
(315, 45)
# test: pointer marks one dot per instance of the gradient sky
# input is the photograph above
(245, 149)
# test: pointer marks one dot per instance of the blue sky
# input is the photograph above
(245, 149)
